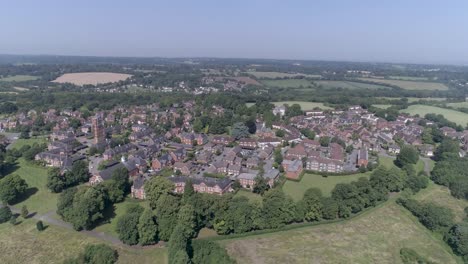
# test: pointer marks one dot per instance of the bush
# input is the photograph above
(5, 214)
(39, 225)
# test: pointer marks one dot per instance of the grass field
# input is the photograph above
(304, 105)
(92, 78)
(408, 78)
(272, 75)
(382, 106)
(326, 184)
(440, 195)
(459, 105)
(349, 85)
(373, 237)
(415, 99)
(290, 83)
(410, 85)
(452, 115)
(19, 78)
(119, 210)
(21, 142)
(250, 195)
(22, 243)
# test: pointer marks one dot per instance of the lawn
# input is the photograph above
(440, 195)
(114, 214)
(452, 115)
(414, 99)
(349, 85)
(410, 85)
(373, 237)
(382, 106)
(21, 142)
(273, 75)
(22, 243)
(19, 78)
(326, 184)
(289, 83)
(408, 78)
(304, 105)
(250, 195)
(458, 105)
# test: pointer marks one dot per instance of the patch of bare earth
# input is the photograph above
(92, 78)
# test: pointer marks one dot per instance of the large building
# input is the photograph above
(98, 130)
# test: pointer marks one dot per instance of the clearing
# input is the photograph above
(455, 116)
(92, 78)
(408, 78)
(289, 83)
(414, 99)
(349, 85)
(326, 184)
(253, 197)
(458, 105)
(382, 106)
(273, 75)
(376, 236)
(410, 85)
(304, 105)
(22, 243)
(19, 78)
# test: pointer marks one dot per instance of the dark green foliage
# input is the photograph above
(78, 174)
(5, 214)
(30, 154)
(189, 192)
(251, 125)
(127, 225)
(95, 254)
(278, 209)
(329, 209)
(237, 218)
(178, 243)
(293, 110)
(447, 146)
(156, 187)
(39, 225)
(13, 220)
(308, 133)
(310, 207)
(166, 213)
(280, 133)
(11, 188)
(324, 141)
(261, 185)
(408, 155)
(457, 238)
(392, 180)
(208, 252)
(434, 217)
(409, 256)
(24, 212)
(239, 130)
(147, 228)
(453, 173)
(278, 156)
(55, 181)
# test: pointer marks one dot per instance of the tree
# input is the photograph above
(261, 185)
(39, 225)
(392, 180)
(5, 214)
(100, 254)
(277, 209)
(24, 212)
(311, 204)
(180, 257)
(251, 125)
(310, 134)
(239, 130)
(457, 238)
(55, 181)
(189, 192)
(407, 155)
(186, 218)
(177, 242)
(166, 210)
(12, 187)
(293, 110)
(278, 156)
(324, 141)
(197, 125)
(147, 228)
(280, 133)
(156, 187)
(127, 225)
(447, 146)
(209, 252)
(13, 220)
(87, 206)
(329, 209)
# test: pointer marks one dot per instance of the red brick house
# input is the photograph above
(362, 157)
(183, 167)
(248, 143)
(292, 168)
(204, 185)
(138, 190)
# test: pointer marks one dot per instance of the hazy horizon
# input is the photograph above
(423, 32)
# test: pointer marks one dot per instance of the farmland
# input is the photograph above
(382, 106)
(381, 232)
(92, 78)
(458, 105)
(304, 105)
(408, 78)
(452, 115)
(326, 184)
(22, 243)
(349, 85)
(289, 83)
(19, 78)
(273, 75)
(410, 85)
(414, 99)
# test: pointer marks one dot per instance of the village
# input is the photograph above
(338, 142)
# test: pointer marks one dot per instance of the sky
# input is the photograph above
(413, 31)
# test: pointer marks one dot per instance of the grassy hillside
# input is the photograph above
(410, 85)
(452, 115)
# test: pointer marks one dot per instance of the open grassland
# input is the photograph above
(349, 85)
(441, 196)
(30, 141)
(414, 99)
(452, 115)
(304, 105)
(382, 106)
(112, 215)
(22, 243)
(289, 83)
(272, 75)
(326, 184)
(458, 105)
(408, 78)
(19, 78)
(376, 236)
(250, 195)
(92, 78)
(410, 85)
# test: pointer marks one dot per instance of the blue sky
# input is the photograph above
(396, 31)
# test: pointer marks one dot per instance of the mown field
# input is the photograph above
(326, 184)
(349, 85)
(304, 105)
(250, 195)
(289, 83)
(415, 99)
(452, 115)
(458, 105)
(92, 78)
(410, 85)
(376, 236)
(19, 78)
(409, 78)
(382, 106)
(272, 75)
(22, 243)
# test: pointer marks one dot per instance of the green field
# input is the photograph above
(273, 75)
(21, 142)
(19, 78)
(118, 210)
(289, 83)
(22, 243)
(349, 85)
(414, 99)
(382, 106)
(297, 189)
(376, 236)
(458, 105)
(250, 195)
(409, 78)
(452, 115)
(304, 105)
(410, 85)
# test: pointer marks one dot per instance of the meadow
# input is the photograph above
(273, 75)
(288, 83)
(304, 105)
(382, 106)
(92, 78)
(410, 85)
(19, 78)
(458, 105)
(452, 115)
(409, 78)
(349, 85)
(376, 236)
